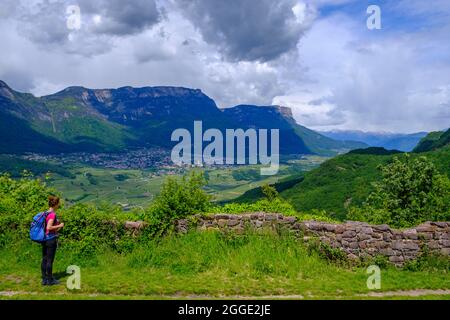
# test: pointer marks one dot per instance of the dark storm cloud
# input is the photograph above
(45, 22)
(122, 17)
(246, 29)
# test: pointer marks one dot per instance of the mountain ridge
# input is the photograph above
(388, 140)
(82, 119)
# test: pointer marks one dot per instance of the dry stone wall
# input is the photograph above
(356, 239)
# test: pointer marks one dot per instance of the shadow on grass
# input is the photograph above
(60, 275)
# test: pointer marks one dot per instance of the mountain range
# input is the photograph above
(387, 140)
(110, 120)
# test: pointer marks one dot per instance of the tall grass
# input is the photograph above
(206, 263)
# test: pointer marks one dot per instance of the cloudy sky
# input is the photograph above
(316, 56)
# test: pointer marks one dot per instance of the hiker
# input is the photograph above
(50, 244)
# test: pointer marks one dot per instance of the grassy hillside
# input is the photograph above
(347, 179)
(433, 141)
(16, 166)
(256, 194)
(336, 184)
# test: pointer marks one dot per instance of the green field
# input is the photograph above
(131, 188)
(106, 185)
(211, 265)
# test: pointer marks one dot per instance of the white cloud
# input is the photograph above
(311, 109)
(370, 81)
(340, 75)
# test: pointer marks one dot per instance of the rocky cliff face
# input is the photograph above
(113, 119)
(358, 240)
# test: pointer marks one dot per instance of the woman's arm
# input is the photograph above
(51, 227)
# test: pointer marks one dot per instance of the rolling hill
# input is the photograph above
(346, 179)
(433, 141)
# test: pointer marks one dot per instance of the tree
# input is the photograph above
(269, 192)
(411, 191)
(179, 198)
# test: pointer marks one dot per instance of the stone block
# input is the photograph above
(364, 236)
(232, 223)
(381, 227)
(410, 234)
(270, 217)
(396, 259)
(222, 216)
(339, 229)
(440, 224)
(444, 243)
(425, 227)
(353, 245)
(222, 222)
(433, 244)
(425, 235)
(387, 252)
(349, 234)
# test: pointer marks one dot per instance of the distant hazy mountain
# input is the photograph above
(81, 119)
(390, 141)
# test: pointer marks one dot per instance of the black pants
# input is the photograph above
(48, 256)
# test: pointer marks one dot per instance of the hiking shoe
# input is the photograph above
(44, 281)
(53, 282)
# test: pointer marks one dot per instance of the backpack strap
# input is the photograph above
(45, 222)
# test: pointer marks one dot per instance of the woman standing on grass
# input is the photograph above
(49, 246)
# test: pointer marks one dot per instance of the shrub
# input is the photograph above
(317, 215)
(269, 192)
(179, 198)
(325, 251)
(20, 200)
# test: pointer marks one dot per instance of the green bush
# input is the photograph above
(432, 262)
(328, 253)
(20, 200)
(269, 192)
(178, 199)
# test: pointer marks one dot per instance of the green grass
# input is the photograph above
(204, 265)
